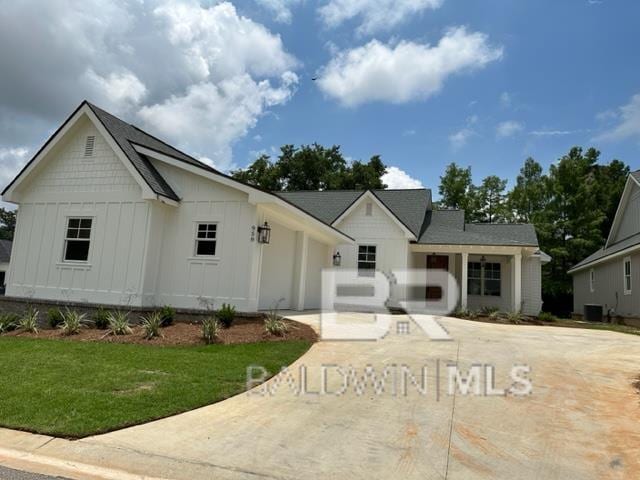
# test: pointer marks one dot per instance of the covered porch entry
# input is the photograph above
(487, 276)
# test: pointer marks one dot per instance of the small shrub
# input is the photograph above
(152, 324)
(119, 323)
(547, 317)
(54, 317)
(8, 322)
(226, 315)
(489, 310)
(101, 318)
(167, 314)
(29, 321)
(465, 314)
(497, 315)
(71, 322)
(515, 317)
(210, 329)
(274, 325)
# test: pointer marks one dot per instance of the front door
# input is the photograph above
(436, 262)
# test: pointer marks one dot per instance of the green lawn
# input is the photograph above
(598, 326)
(75, 389)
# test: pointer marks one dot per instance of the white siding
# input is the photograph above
(531, 285)
(277, 276)
(505, 301)
(382, 231)
(318, 258)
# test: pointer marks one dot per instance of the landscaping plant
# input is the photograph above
(72, 321)
(515, 317)
(226, 315)
(54, 317)
(101, 318)
(210, 329)
(119, 323)
(152, 324)
(8, 322)
(29, 321)
(489, 310)
(167, 314)
(547, 317)
(274, 325)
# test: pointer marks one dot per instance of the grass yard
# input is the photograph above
(75, 389)
(598, 326)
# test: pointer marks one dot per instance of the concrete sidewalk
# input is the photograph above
(582, 419)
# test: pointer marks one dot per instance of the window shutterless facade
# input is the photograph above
(206, 239)
(627, 275)
(485, 280)
(592, 280)
(77, 239)
(366, 260)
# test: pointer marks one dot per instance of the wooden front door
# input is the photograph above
(436, 262)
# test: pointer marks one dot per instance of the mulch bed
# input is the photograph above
(182, 334)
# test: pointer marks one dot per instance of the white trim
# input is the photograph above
(592, 280)
(463, 281)
(370, 196)
(626, 260)
(196, 240)
(623, 201)
(256, 196)
(606, 258)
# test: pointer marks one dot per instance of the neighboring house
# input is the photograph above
(111, 215)
(5, 256)
(611, 276)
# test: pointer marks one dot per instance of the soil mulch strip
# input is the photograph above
(182, 334)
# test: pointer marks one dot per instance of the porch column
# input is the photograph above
(517, 282)
(300, 273)
(463, 281)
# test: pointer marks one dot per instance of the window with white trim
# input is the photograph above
(366, 260)
(77, 239)
(627, 275)
(206, 239)
(592, 280)
(484, 280)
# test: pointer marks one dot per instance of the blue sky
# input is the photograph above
(421, 82)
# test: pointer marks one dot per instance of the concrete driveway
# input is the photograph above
(581, 421)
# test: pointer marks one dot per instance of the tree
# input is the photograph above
(490, 198)
(7, 223)
(610, 180)
(529, 196)
(456, 189)
(312, 167)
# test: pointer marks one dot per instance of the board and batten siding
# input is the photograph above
(70, 184)
(629, 223)
(609, 287)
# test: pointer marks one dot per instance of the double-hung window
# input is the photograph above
(627, 275)
(366, 260)
(484, 280)
(206, 239)
(77, 239)
(592, 280)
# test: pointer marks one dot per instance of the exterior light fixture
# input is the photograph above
(337, 259)
(264, 233)
(483, 261)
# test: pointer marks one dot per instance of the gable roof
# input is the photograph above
(408, 206)
(611, 251)
(636, 176)
(5, 250)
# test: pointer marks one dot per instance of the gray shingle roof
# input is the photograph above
(629, 242)
(636, 175)
(408, 206)
(125, 135)
(5, 250)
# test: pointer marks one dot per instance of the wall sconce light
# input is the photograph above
(337, 259)
(264, 233)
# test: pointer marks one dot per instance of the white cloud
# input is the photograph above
(405, 71)
(374, 15)
(280, 8)
(506, 99)
(508, 128)
(627, 122)
(551, 133)
(119, 90)
(209, 117)
(12, 159)
(409, 132)
(399, 179)
(460, 138)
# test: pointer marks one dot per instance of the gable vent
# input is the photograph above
(369, 210)
(88, 147)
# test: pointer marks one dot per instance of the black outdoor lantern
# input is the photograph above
(337, 259)
(264, 233)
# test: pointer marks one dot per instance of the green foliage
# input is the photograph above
(514, 317)
(530, 196)
(72, 321)
(8, 322)
(210, 329)
(29, 321)
(152, 324)
(274, 324)
(489, 310)
(465, 314)
(312, 167)
(226, 315)
(455, 188)
(167, 314)
(118, 323)
(547, 317)
(101, 318)
(54, 317)
(7, 223)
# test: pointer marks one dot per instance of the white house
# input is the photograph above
(109, 214)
